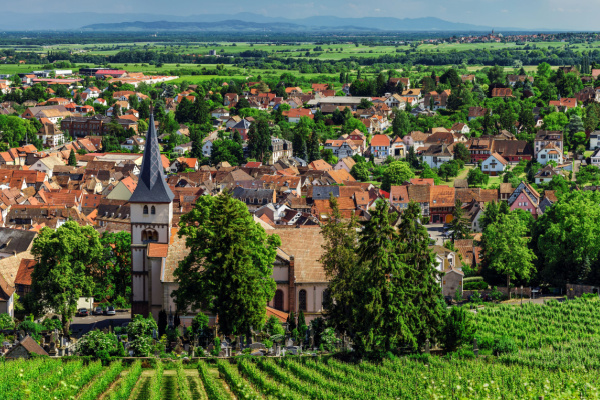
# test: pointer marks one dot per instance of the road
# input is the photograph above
(435, 232)
(82, 325)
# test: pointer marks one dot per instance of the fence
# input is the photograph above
(515, 292)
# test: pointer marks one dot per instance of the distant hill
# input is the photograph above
(228, 25)
(291, 25)
(13, 21)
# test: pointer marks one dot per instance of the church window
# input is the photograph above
(278, 303)
(302, 300)
(153, 210)
(145, 210)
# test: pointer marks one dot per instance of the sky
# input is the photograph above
(528, 14)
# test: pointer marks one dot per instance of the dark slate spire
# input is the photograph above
(152, 186)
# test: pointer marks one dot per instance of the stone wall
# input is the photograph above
(579, 290)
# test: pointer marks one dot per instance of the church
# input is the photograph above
(157, 249)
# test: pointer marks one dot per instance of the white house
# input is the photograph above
(398, 149)
(220, 113)
(380, 146)
(436, 155)
(594, 136)
(46, 165)
(546, 174)
(183, 148)
(596, 158)
(134, 141)
(92, 92)
(550, 153)
(494, 164)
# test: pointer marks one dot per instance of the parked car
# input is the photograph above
(110, 310)
(83, 312)
(97, 311)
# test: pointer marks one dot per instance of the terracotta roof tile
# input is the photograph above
(306, 245)
(24, 273)
(158, 250)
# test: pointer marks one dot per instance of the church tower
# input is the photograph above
(151, 207)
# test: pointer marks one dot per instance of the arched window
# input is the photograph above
(145, 210)
(302, 300)
(149, 235)
(153, 210)
(326, 298)
(278, 303)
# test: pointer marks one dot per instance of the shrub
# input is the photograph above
(458, 329)
(505, 345)
(217, 349)
(477, 285)
(6, 321)
(32, 328)
(51, 324)
(99, 345)
(476, 298)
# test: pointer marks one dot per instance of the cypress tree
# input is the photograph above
(427, 310)
(302, 327)
(72, 159)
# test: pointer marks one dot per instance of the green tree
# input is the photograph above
(567, 235)
(476, 177)
(421, 278)
(341, 267)
(401, 124)
(72, 159)
(259, 140)
(462, 153)
(61, 275)
(226, 150)
(496, 75)
(506, 250)
(544, 70)
(360, 171)
(114, 272)
(396, 173)
(460, 225)
(381, 306)
(229, 266)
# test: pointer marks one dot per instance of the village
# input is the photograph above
(133, 181)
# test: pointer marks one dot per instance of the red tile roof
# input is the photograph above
(24, 273)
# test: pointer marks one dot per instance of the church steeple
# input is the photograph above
(152, 186)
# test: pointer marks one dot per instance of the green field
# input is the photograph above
(326, 52)
(525, 352)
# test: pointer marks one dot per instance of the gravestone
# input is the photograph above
(475, 348)
(289, 342)
(257, 353)
(295, 350)
(427, 351)
(258, 346)
(52, 351)
(277, 350)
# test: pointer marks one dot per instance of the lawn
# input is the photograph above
(461, 175)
